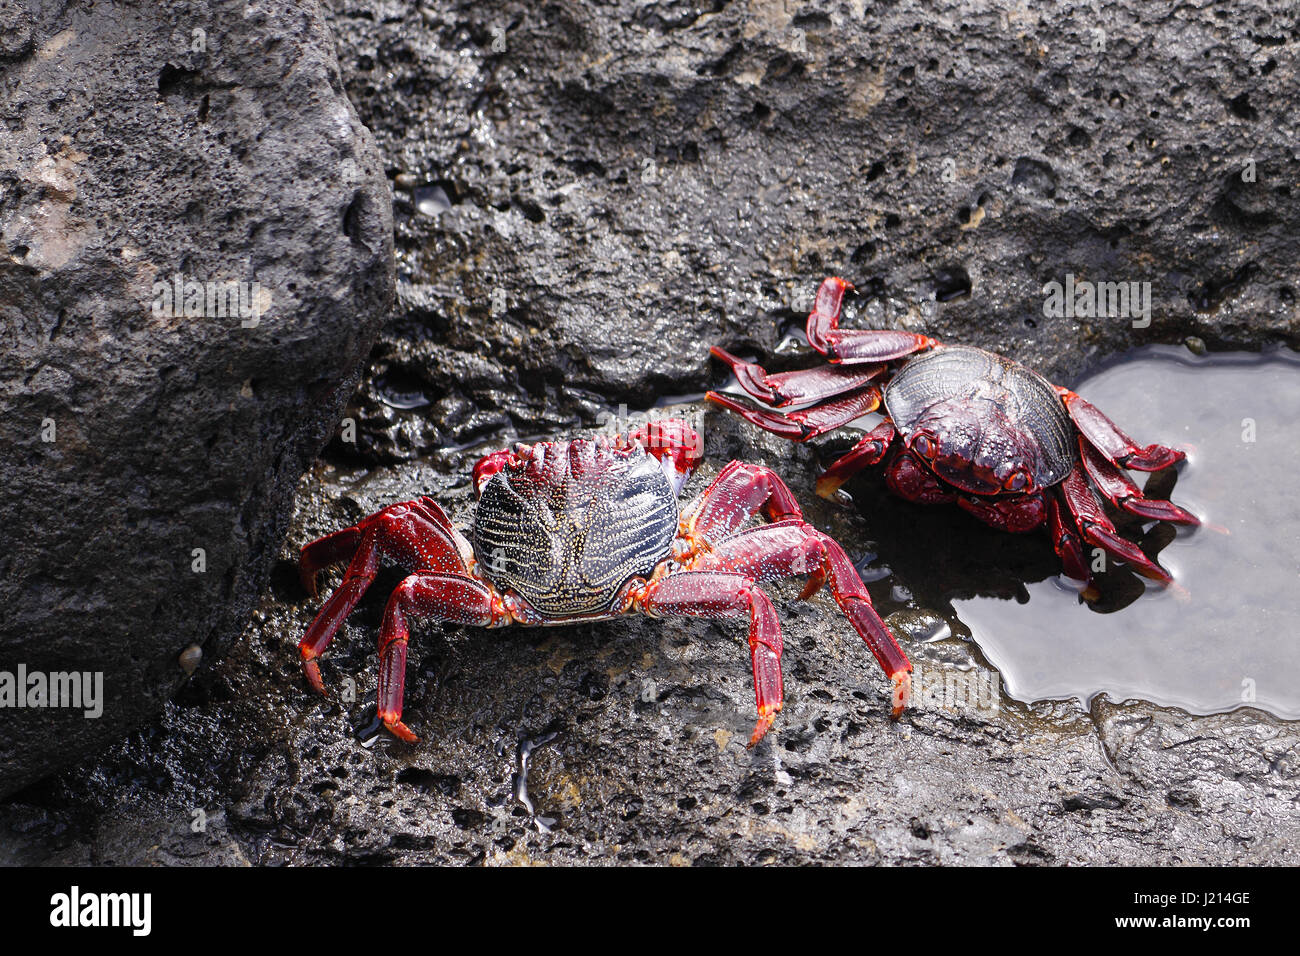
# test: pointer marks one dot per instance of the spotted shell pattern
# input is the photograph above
(571, 523)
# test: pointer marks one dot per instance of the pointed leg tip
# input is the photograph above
(311, 670)
(1159, 509)
(901, 695)
(813, 585)
(1159, 575)
(829, 487)
(1154, 458)
(400, 730)
(760, 730)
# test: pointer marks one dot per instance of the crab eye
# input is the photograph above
(1017, 482)
(926, 446)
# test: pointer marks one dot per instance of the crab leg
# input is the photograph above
(740, 491)
(793, 547)
(1123, 493)
(416, 534)
(325, 552)
(870, 448)
(805, 423)
(1097, 529)
(725, 594)
(852, 346)
(429, 509)
(797, 388)
(1106, 437)
(1065, 541)
(785, 548)
(447, 597)
(770, 552)
(336, 609)
(429, 523)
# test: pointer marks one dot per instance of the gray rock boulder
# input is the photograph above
(195, 255)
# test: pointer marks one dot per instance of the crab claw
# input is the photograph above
(678, 447)
(489, 465)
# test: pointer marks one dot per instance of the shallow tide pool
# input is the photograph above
(1232, 639)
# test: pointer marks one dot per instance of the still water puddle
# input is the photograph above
(1232, 639)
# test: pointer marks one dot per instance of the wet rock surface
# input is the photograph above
(585, 198)
(647, 760)
(149, 460)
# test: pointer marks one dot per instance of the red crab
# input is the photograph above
(586, 530)
(967, 426)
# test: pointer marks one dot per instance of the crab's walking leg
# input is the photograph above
(740, 491)
(325, 552)
(416, 534)
(797, 388)
(1065, 540)
(446, 597)
(788, 547)
(854, 345)
(805, 423)
(1098, 530)
(725, 594)
(335, 610)
(1123, 493)
(793, 547)
(411, 532)
(870, 448)
(1106, 437)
